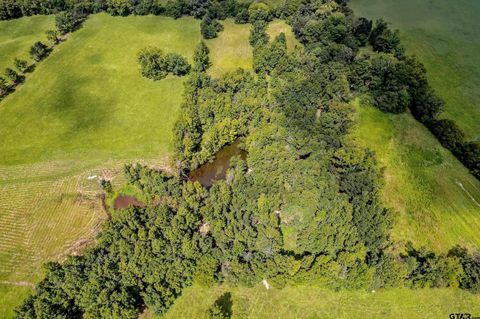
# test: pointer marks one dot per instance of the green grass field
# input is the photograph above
(436, 200)
(17, 36)
(445, 37)
(313, 303)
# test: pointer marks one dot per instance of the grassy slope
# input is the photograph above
(437, 200)
(445, 36)
(312, 302)
(85, 111)
(17, 36)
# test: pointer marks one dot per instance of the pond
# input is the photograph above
(123, 202)
(216, 170)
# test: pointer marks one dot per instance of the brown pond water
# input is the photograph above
(123, 202)
(216, 170)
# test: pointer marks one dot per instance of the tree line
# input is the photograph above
(65, 22)
(303, 207)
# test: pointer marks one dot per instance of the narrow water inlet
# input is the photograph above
(216, 170)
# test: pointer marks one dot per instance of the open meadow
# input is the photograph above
(445, 37)
(436, 200)
(315, 303)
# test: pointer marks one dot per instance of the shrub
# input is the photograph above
(209, 27)
(14, 76)
(177, 64)
(242, 16)
(4, 87)
(152, 63)
(259, 11)
(385, 40)
(21, 65)
(470, 157)
(155, 65)
(426, 105)
(68, 21)
(448, 134)
(200, 57)
(39, 51)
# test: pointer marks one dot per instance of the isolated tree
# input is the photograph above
(4, 87)
(53, 36)
(200, 57)
(361, 30)
(39, 51)
(21, 65)
(13, 76)
(152, 63)
(177, 64)
(209, 27)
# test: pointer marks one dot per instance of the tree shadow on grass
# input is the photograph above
(222, 308)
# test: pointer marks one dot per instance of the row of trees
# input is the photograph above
(156, 65)
(65, 22)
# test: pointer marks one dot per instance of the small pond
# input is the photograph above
(123, 202)
(216, 170)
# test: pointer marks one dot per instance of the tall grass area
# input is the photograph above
(17, 36)
(83, 113)
(312, 303)
(437, 200)
(445, 36)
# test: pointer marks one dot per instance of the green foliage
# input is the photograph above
(155, 65)
(200, 58)
(470, 278)
(39, 51)
(258, 35)
(448, 133)
(177, 64)
(68, 21)
(21, 65)
(385, 40)
(209, 27)
(4, 87)
(14, 76)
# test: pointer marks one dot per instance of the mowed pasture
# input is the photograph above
(312, 303)
(83, 113)
(436, 201)
(445, 37)
(17, 36)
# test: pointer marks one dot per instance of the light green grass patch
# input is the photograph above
(312, 302)
(231, 49)
(11, 295)
(445, 37)
(436, 200)
(17, 36)
(278, 26)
